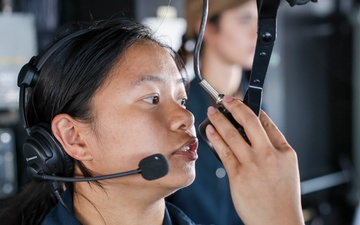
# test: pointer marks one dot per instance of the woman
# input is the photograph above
(227, 51)
(114, 95)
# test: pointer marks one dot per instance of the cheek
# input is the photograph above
(130, 134)
(234, 50)
(238, 45)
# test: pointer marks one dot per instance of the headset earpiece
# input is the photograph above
(28, 74)
(44, 154)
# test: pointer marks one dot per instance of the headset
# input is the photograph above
(44, 155)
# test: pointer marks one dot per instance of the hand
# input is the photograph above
(264, 176)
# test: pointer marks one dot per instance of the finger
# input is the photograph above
(275, 136)
(227, 135)
(247, 118)
(227, 157)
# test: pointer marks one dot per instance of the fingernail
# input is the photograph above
(210, 129)
(228, 98)
(211, 110)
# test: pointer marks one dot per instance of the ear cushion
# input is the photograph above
(44, 154)
(28, 74)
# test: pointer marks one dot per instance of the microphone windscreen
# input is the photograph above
(154, 167)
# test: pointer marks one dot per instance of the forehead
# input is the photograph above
(247, 8)
(145, 58)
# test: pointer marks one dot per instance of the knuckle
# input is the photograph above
(231, 135)
(290, 152)
(250, 120)
(285, 147)
(225, 153)
(268, 124)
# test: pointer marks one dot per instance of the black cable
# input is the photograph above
(203, 83)
(199, 41)
(85, 179)
(56, 186)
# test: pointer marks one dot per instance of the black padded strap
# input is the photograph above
(267, 12)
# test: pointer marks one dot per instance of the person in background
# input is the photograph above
(111, 95)
(228, 50)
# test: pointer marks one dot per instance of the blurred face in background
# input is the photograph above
(233, 36)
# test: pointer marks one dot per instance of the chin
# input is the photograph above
(175, 186)
(180, 178)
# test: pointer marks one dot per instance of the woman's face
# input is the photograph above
(236, 34)
(141, 111)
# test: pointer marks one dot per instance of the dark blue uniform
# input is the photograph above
(60, 215)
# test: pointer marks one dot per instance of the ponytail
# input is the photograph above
(29, 206)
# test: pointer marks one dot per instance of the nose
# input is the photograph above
(181, 119)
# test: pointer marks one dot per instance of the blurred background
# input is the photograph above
(312, 88)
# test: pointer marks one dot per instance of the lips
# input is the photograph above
(189, 149)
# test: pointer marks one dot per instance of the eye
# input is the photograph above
(153, 99)
(182, 102)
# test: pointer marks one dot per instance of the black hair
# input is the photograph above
(67, 82)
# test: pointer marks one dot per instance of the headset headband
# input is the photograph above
(30, 72)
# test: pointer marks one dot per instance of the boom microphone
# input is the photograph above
(151, 168)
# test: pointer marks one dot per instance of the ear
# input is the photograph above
(68, 132)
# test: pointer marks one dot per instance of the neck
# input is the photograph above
(222, 75)
(122, 205)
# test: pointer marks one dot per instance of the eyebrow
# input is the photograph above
(153, 78)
